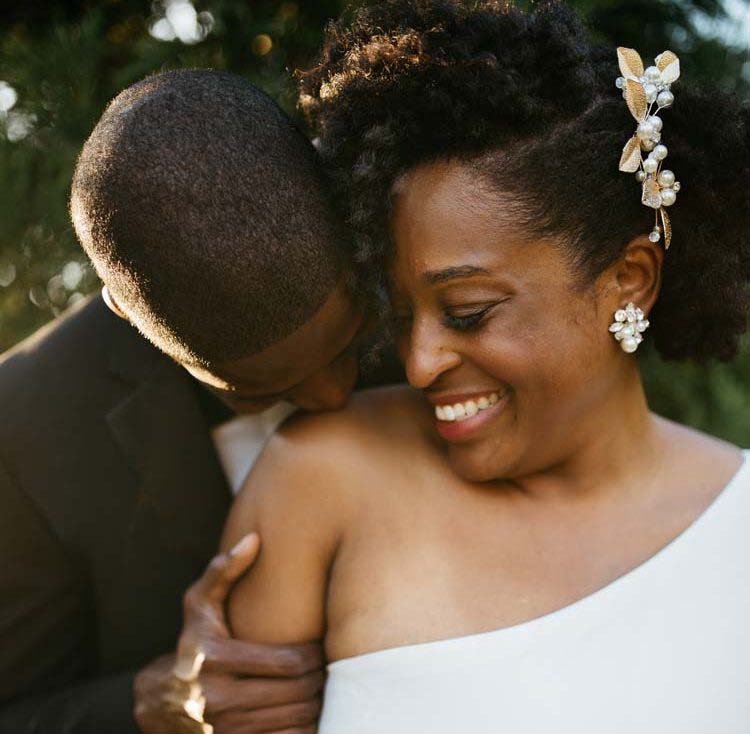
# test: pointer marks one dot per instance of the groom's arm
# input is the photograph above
(43, 634)
(247, 687)
(43, 647)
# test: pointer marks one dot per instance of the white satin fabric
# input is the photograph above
(239, 441)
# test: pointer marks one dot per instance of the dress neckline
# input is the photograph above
(701, 521)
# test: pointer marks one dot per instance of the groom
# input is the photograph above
(204, 213)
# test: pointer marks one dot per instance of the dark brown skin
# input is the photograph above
(314, 367)
(248, 688)
(404, 537)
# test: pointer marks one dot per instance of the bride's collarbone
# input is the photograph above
(437, 567)
(448, 561)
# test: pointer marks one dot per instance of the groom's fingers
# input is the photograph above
(292, 717)
(222, 573)
(272, 661)
(252, 693)
(249, 688)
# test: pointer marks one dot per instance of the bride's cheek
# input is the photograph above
(504, 356)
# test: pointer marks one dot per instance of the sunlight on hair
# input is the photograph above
(179, 20)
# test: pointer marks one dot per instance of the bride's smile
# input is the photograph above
(485, 311)
(460, 418)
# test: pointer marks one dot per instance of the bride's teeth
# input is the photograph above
(462, 411)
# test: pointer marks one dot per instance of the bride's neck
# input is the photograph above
(618, 443)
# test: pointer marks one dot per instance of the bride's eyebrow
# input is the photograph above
(433, 277)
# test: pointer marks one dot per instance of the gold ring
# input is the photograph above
(186, 696)
(188, 667)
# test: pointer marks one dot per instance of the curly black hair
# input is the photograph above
(509, 92)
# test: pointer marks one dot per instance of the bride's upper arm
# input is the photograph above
(293, 497)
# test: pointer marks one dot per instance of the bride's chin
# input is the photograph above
(475, 464)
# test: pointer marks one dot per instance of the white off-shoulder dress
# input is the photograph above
(664, 649)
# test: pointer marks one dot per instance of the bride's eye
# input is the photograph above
(466, 321)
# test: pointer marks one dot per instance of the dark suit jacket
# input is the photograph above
(112, 501)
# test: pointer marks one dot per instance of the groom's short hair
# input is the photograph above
(204, 211)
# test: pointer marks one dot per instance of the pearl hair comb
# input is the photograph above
(647, 92)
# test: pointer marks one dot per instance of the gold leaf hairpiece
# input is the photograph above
(669, 66)
(667, 224)
(647, 92)
(631, 65)
(636, 99)
(630, 161)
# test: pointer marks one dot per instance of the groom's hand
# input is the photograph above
(249, 689)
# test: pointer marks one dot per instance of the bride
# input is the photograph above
(515, 542)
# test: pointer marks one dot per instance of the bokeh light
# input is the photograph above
(18, 125)
(262, 44)
(72, 275)
(8, 97)
(15, 123)
(7, 275)
(179, 20)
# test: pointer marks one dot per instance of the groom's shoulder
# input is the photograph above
(70, 359)
(79, 335)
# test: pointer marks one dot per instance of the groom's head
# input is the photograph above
(203, 210)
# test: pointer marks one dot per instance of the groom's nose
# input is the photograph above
(328, 389)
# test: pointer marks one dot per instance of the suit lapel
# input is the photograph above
(179, 503)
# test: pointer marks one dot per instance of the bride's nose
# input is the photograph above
(428, 354)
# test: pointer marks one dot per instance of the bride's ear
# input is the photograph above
(639, 272)
(112, 304)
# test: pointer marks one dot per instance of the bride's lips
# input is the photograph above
(457, 431)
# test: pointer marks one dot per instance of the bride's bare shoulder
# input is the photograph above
(302, 495)
(327, 459)
(392, 419)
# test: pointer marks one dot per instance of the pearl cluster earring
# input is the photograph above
(647, 92)
(628, 327)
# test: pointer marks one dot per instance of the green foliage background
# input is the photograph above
(66, 59)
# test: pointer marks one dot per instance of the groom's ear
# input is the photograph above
(112, 304)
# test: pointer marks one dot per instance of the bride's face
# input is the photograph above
(496, 325)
